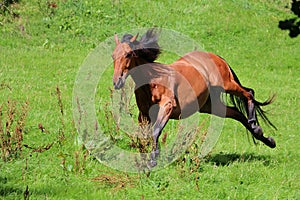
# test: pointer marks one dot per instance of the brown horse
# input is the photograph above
(193, 83)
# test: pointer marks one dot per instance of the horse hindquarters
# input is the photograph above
(243, 100)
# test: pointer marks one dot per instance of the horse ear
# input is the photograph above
(134, 37)
(117, 39)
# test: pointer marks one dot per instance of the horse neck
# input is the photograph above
(144, 72)
(139, 74)
(136, 61)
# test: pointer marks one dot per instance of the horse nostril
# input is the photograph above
(118, 84)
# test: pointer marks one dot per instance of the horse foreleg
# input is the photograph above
(165, 108)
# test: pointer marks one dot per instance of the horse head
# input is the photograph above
(122, 56)
(129, 52)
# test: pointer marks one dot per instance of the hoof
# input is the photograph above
(152, 163)
(271, 142)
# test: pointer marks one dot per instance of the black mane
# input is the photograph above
(147, 47)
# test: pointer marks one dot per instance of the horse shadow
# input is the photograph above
(225, 159)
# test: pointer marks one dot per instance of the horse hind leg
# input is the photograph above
(256, 131)
(234, 113)
(246, 97)
(242, 97)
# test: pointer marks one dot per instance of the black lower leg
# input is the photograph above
(234, 113)
(155, 150)
(258, 134)
(255, 130)
(251, 110)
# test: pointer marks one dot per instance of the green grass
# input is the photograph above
(44, 48)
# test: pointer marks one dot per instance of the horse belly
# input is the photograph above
(189, 102)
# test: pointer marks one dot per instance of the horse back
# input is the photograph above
(213, 69)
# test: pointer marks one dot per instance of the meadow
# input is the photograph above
(42, 46)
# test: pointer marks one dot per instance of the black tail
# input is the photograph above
(262, 113)
(242, 105)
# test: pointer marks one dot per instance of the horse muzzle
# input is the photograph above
(119, 83)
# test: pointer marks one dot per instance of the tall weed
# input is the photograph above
(12, 123)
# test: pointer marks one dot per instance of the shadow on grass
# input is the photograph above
(292, 24)
(7, 191)
(225, 159)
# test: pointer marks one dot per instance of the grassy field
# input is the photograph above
(42, 47)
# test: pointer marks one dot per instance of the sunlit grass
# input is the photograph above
(41, 51)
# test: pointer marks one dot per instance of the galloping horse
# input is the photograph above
(193, 83)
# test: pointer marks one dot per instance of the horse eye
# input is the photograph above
(129, 54)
